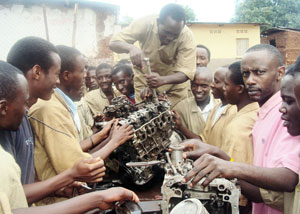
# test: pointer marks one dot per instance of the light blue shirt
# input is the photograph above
(72, 107)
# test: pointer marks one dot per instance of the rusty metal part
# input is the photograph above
(147, 61)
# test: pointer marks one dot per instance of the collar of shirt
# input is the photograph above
(72, 107)
(208, 107)
(271, 103)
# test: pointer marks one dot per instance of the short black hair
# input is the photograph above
(30, 51)
(207, 50)
(68, 57)
(291, 70)
(270, 48)
(103, 66)
(91, 68)
(9, 81)
(297, 64)
(124, 61)
(122, 67)
(235, 73)
(175, 11)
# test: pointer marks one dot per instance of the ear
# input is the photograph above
(3, 107)
(36, 71)
(281, 72)
(66, 75)
(240, 89)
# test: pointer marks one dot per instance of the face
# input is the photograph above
(50, 79)
(169, 30)
(77, 77)
(290, 112)
(218, 83)
(104, 79)
(202, 57)
(90, 80)
(201, 87)
(17, 107)
(297, 89)
(261, 75)
(231, 90)
(123, 82)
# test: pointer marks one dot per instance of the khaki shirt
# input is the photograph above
(238, 134)
(11, 188)
(97, 100)
(292, 201)
(177, 56)
(86, 119)
(57, 145)
(191, 116)
(213, 133)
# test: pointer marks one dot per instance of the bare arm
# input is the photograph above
(99, 199)
(154, 80)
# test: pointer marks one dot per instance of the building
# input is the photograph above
(86, 25)
(287, 40)
(226, 41)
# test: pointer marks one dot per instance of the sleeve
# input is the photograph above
(57, 135)
(134, 32)
(4, 204)
(186, 56)
(272, 198)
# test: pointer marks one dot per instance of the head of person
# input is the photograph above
(289, 109)
(219, 82)
(234, 85)
(14, 96)
(170, 23)
(202, 56)
(122, 77)
(262, 69)
(40, 63)
(125, 62)
(73, 72)
(90, 79)
(103, 75)
(201, 84)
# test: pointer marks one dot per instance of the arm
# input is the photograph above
(89, 170)
(251, 192)
(154, 80)
(99, 199)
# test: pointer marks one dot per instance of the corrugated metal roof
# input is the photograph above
(278, 29)
(223, 23)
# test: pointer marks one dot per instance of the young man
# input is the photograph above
(191, 113)
(122, 77)
(14, 95)
(202, 56)
(101, 97)
(90, 79)
(56, 124)
(221, 114)
(276, 152)
(170, 46)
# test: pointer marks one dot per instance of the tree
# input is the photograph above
(190, 14)
(272, 13)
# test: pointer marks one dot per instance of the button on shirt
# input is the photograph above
(273, 145)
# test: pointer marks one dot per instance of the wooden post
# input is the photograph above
(74, 25)
(45, 22)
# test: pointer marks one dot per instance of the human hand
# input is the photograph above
(154, 80)
(211, 166)
(195, 148)
(89, 170)
(177, 119)
(121, 134)
(136, 56)
(107, 128)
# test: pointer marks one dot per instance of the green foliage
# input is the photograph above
(273, 13)
(190, 14)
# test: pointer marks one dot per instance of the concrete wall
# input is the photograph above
(94, 28)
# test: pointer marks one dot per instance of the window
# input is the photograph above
(241, 46)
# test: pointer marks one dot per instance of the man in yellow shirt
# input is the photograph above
(170, 46)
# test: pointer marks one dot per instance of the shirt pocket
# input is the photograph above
(168, 54)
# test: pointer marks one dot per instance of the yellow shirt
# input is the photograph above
(11, 188)
(177, 56)
(238, 134)
(191, 116)
(57, 145)
(86, 119)
(97, 100)
(213, 132)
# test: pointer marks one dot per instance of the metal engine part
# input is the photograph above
(220, 196)
(153, 126)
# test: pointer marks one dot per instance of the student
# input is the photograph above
(170, 46)
(56, 124)
(90, 79)
(98, 99)
(14, 95)
(122, 77)
(202, 56)
(191, 113)
(276, 152)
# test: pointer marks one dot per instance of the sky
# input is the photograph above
(205, 10)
